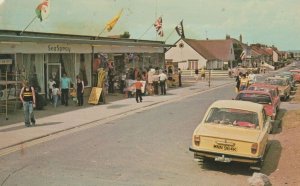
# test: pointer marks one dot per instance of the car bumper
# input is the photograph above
(225, 157)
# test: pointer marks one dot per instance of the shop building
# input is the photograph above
(37, 57)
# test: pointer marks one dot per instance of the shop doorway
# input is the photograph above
(53, 72)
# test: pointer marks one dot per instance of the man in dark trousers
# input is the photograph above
(27, 96)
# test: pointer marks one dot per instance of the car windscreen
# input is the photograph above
(233, 117)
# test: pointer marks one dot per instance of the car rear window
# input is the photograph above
(255, 98)
(233, 117)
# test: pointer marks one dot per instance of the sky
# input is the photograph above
(269, 22)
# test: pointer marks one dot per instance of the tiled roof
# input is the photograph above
(212, 49)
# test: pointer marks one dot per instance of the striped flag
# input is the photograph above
(158, 27)
(110, 25)
(179, 29)
(42, 10)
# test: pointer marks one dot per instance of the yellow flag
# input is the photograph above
(113, 21)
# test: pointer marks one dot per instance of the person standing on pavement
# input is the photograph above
(51, 83)
(162, 82)
(179, 77)
(80, 90)
(155, 82)
(27, 96)
(138, 87)
(65, 85)
(55, 94)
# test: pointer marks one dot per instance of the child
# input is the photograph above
(55, 94)
(138, 86)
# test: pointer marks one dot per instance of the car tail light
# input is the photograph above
(254, 148)
(197, 140)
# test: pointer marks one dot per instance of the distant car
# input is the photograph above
(289, 76)
(230, 131)
(283, 86)
(296, 74)
(273, 89)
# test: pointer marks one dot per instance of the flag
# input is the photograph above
(243, 55)
(158, 27)
(110, 25)
(42, 10)
(179, 29)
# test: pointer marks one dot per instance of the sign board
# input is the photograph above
(5, 61)
(95, 95)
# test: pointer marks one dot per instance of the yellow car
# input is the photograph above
(232, 130)
(283, 84)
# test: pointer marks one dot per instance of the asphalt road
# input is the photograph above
(147, 148)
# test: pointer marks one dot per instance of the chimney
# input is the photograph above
(227, 36)
(241, 38)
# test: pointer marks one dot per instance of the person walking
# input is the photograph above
(162, 82)
(27, 96)
(202, 74)
(138, 93)
(196, 74)
(65, 85)
(80, 90)
(55, 94)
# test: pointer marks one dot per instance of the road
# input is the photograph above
(147, 148)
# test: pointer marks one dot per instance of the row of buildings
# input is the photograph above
(38, 57)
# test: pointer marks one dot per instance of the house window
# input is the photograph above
(193, 64)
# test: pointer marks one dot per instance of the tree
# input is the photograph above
(125, 35)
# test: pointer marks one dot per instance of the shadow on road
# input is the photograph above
(272, 157)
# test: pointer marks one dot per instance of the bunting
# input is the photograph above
(110, 25)
(179, 29)
(158, 27)
(42, 10)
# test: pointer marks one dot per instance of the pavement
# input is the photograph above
(61, 120)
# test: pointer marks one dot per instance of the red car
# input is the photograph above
(273, 89)
(261, 97)
(296, 73)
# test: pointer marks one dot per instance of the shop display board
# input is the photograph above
(95, 95)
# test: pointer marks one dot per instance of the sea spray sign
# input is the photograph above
(59, 49)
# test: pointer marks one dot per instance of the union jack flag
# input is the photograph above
(158, 27)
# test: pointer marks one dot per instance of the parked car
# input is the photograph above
(283, 86)
(230, 131)
(261, 97)
(296, 74)
(273, 89)
(289, 76)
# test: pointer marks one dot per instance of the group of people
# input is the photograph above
(202, 73)
(28, 96)
(243, 80)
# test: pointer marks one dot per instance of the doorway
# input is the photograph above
(54, 72)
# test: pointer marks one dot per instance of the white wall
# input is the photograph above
(185, 53)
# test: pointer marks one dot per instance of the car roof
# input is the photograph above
(237, 104)
(277, 77)
(255, 92)
(264, 85)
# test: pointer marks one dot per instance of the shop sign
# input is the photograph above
(5, 61)
(95, 95)
(59, 49)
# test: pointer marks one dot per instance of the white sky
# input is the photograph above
(271, 22)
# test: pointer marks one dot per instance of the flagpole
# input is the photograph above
(28, 25)
(170, 35)
(145, 31)
(101, 32)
